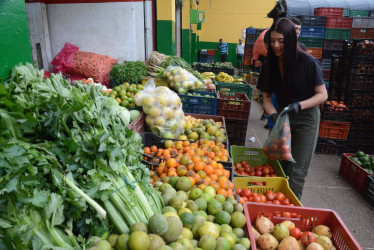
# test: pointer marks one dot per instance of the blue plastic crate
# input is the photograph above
(312, 31)
(251, 31)
(200, 104)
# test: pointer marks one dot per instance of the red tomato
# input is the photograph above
(258, 183)
(241, 200)
(250, 198)
(307, 238)
(276, 202)
(238, 191)
(265, 170)
(258, 173)
(238, 165)
(246, 193)
(271, 170)
(256, 198)
(263, 198)
(247, 169)
(243, 162)
(279, 196)
(286, 201)
(296, 232)
(273, 175)
(286, 214)
(269, 195)
(252, 173)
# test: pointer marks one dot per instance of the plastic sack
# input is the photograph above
(278, 145)
(163, 109)
(181, 80)
(259, 48)
(63, 62)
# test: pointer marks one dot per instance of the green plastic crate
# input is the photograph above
(363, 13)
(229, 89)
(338, 34)
(255, 157)
(311, 42)
(346, 13)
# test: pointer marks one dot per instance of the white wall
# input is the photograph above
(113, 29)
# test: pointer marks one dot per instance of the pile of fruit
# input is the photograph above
(277, 198)
(181, 80)
(208, 75)
(124, 94)
(364, 160)
(245, 169)
(203, 129)
(286, 235)
(333, 106)
(279, 148)
(223, 77)
(198, 94)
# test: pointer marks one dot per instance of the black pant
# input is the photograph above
(223, 58)
(239, 60)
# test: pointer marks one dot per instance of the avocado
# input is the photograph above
(359, 154)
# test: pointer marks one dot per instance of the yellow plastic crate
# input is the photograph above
(160, 81)
(275, 184)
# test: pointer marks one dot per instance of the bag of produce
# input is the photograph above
(163, 109)
(278, 145)
(181, 80)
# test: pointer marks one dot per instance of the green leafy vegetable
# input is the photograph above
(131, 72)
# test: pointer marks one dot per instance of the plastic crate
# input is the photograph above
(339, 22)
(369, 190)
(337, 34)
(311, 31)
(236, 128)
(325, 11)
(311, 42)
(255, 157)
(200, 104)
(312, 20)
(357, 142)
(363, 114)
(138, 125)
(333, 44)
(316, 52)
(355, 13)
(346, 13)
(342, 238)
(326, 74)
(362, 33)
(362, 82)
(363, 22)
(361, 49)
(330, 146)
(230, 89)
(238, 141)
(361, 128)
(353, 173)
(326, 64)
(328, 54)
(363, 65)
(275, 184)
(334, 129)
(331, 113)
(360, 98)
(250, 39)
(237, 106)
(211, 52)
(250, 31)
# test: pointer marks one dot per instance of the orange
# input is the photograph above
(196, 158)
(213, 163)
(231, 185)
(172, 173)
(218, 172)
(201, 186)
(160, 170)
(190, 173)
(181, 170)
(202, 174)
(211, 155)
(223, 192)
(196, 177)
(199, 166)
(153, 149)
(224, 183)
(171, 163)
(208, 169)
(214, 177)
(215, 185)
(186, 143)
(230, 193)
(192, 180)
(147, 150)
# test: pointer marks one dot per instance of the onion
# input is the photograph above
(211, 87)
(207, 82)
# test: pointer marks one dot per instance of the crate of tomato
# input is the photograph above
(335, 111)
(253, 162)
(274, 190)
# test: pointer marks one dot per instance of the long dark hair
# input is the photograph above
(285, 27)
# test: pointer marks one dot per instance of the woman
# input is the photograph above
(296, 79)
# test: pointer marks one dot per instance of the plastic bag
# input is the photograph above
(259, 48)
(63, 62)
(181, 80)
(163, 109)
(278, 145)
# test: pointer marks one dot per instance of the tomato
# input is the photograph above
(279, 196)
(256, 198)
(286, 214)
(265, 170)
(307, 238)
(246, 193)
(238, 165)
(269, 195)
(241, 200)
(263, 198)
(273, 175)
(286, 201)
(250, 198)
(258, 173)
(252, 173)
(247, 169)
(271, 170)
(296, 232)
(243, 162)
(276, 202)
(238, 191)
(258, 183)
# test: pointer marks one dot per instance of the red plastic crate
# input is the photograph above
(328, 12)
(247, 62)
(342, 238)
(334, 129)
(211, 51)
(316, 52)
(339, 22)
(353, 173)
(138, 125)
(357, 33)
(326, 74)
(234, 107)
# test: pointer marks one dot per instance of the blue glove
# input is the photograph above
(293, 108)
(274, 117)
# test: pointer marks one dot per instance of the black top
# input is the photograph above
(301, 45)
(307, 74)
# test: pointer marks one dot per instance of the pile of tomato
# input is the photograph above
(243, 168)
(277, 198)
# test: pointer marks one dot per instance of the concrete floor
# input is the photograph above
(324, 187)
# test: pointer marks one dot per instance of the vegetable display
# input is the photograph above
(129, 71)
(69, 143)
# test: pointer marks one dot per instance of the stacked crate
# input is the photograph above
(352, 81)
(311, 35)
(362, 28)
(250, 39)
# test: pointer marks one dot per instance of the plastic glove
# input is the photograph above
(274, 117)
(293, 108)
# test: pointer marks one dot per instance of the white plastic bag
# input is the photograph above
(181, 80)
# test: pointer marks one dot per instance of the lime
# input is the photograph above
(183, 210)
(245, 242)
(201, 203)
(214, 207)
(220, 198)
(208, 228)
(228, 207)
(207, 242)
(223, 217)
(225, 228)
(210, 190)
(138, 227)
(238, 219)
(173, 180)
(195, 193)
(239, 232)
(222, 244)
(139, 240)
(188, 220)
(206, 197)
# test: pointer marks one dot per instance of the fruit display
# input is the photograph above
(203, 129)
(198, 94)
(364, 160)
(245, 169)
(223, 77)
(181, 80)
(277, 198)
(163, 109)
(277, 146)
(208, 75)
(334, 106)
(285, 235)
(124, 94)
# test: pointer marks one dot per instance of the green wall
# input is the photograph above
(214, 45)
(14, 32)
(166, 37)
(186, 45)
